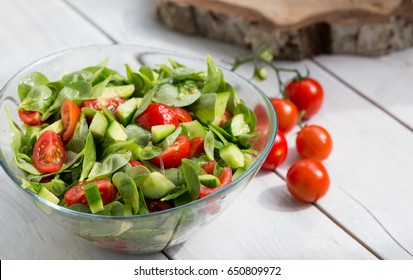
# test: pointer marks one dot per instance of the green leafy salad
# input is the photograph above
(100, 142)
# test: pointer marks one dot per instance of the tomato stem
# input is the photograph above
(300, 119)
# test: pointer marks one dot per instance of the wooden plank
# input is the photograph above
(29, 32)
(386, 80)
(198, 247)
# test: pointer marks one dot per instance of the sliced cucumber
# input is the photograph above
(99, 125)
(57, 127)
(237, 125)
(209, 180)
(116, 132)
(93, 197)
(232, 156)
(156, 186)
(195, 129)
(48, 195)
(125, 91)
(238, 173)
(160, 132)
(127, 110)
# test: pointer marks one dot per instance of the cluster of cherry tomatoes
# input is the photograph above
(307, 179)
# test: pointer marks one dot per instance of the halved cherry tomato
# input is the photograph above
(157, 114)
(172, 156)
(278, 152)
(76, 194)
(31, 118)
(307, 180)
(155, 205)
(197, 147)
(227, 115)
(307, 94)
(209, 166)
(182, 114)
(70, 114)
(225, 177)
(134, 163)
(314, 142)
(110, 103)
(287, 114)
(48, 153)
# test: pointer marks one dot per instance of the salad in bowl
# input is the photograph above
(133, 148)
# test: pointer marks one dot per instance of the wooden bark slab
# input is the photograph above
(296, 29)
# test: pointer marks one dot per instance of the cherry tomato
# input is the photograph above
(182, 114)
(197, 147)
(31, 118)
(134, 163)
(314, 142)
(155, 205)
(287, 114)
(48, 153)
(308, 180)
(307, 94)
(278, 152)
(110, 103)
(209, 166)
(172, 156)
(76, 194)
(157, 114)
(225, 177)
(227, 115)
(70, 114)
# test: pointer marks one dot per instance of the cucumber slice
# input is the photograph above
(160, 132)
(156, 186)
(127, 110)
(57, 127)
(99, 125)
(209, 180)
(116, 132)
(237, 125)
(125, 91)
(232, 156)
(238, 173)
(93, 197)
(195, 129)
(48, 195)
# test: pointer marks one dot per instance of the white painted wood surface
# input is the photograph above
(366, 213)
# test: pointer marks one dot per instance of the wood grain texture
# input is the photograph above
(292, 29)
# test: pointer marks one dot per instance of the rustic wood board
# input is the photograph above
(292, 29)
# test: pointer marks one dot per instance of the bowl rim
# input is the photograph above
(272, 132)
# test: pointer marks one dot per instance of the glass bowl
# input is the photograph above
(146, 233)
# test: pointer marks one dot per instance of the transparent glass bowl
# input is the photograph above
(142, 233)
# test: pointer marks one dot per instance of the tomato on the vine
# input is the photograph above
(70, 114)
(76, 194)
(172, 156)
(287, 114)
(307, 180)
(31, 118)
(49, 154)
(314, 142)
(307, 94)
(278, 152)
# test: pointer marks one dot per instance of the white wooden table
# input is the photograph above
(368, 109)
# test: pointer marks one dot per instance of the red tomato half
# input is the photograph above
(48, 153)
(172, 156)
(70, 114)
(306, 94)
(197, 147)
(225, 177)
(157, 114)
(76, 194)
(31, 118)
(110, 103)
(182, 114)
(278, 152)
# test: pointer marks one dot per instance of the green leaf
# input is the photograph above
(172, 96)
(66, 93)
(38, 99)
(191, 179)
(215, 80)
(168, 141)
(140, 135)
(127, 189)
(141, 82)
(16, 134)
(149, 152)
(146, 100)
(138, 174)
(109, 165)
(209, 144)
(89, 157)
(31, 80)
